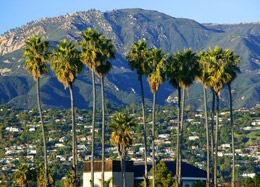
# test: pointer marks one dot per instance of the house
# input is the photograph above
(193, 137)
(112, 169)
(135, 173)
(189, 173)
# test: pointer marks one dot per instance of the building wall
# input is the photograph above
(112, 169)
(117, 179)
(97, 178)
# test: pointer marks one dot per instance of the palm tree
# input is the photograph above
(216, 81)
(40, 176)
(36, 54)
(173, 68)
(23, 175)
(188, 71)
(137, 60)
(156, 76)
(107, 182)
(181, 74)
(122, 138)
(203, 78)
(90, 48)
(231, 70)
(107, 51)
(68, 181)
(67, 65)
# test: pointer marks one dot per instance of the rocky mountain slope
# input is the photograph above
(124, 27)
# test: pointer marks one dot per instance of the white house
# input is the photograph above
(135, 173)
(112, 169)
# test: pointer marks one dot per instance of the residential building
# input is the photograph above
(135, 173)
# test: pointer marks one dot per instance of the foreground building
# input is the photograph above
(135, 173)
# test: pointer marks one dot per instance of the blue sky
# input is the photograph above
(15, 13)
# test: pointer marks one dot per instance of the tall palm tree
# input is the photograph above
(136, 58)
(36, 54)
(188, 71)
(107, 51)
(181, 72)
(216, 81)
(122, 138)
(89, 53)
(156, 76)
(67, 65)
(173, 68)
(203, 78)
(231, 70)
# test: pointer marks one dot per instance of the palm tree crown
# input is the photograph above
(107, 51)
(121, 135)
(90, 47)
(36, 54)
(157, 68)
(137, 57)
(188, 67)
(66, 63)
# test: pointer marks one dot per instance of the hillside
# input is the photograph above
(124, 27)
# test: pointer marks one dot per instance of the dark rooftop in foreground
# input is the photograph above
(187, 170)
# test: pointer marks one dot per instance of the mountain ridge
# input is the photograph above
(125, 26)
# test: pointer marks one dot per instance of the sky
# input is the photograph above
(16, 13)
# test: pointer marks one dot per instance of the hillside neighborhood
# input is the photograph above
(18, 127)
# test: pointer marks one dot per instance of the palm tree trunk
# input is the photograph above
(232, 134)
(181, 132)
(212, 137)
(74, 141)
(153, 137)
(103, 131)
(123, 171)
(144, 133)
(93, 128)
(216, 142)
(207, 136)
(43, 134)
(178, 139)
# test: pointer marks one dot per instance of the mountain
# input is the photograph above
(124, 27)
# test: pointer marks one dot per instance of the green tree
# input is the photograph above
(67, 65)
(163, 177)
(156, 76)
(36, 54)
(24, 175)
(136, 58)
(107, 182)
(68, 181)
(256, 180)
(107, 51)
(89, 52)
(249, 182)
(122, 138)
(199, 184)
(40, 176)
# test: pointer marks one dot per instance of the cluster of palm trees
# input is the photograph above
(214, 68)
(67, 62)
